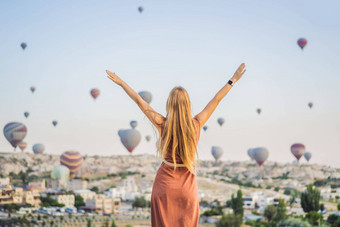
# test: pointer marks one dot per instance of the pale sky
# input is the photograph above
(196, 44)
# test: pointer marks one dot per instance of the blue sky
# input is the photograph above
(196, 44)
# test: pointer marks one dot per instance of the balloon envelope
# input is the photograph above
(23, 46)
(38, 148)
(54, 123)
(72, 160)
(22, 146)
(258, 110)
(205, 128)
(250, 153)
(302, 42)
(95, 93)
(26, 114)
(298, 150)
(216, 152)
(15, 132)
(32, 89)
(60, 172)
(146, 96)
(133, 124)
(260, 155)
(307, 156)
(220, 121)
(148, 138)
(130, 138)
(140, 9)
(310, 104)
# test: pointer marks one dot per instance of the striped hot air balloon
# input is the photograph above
(22, 146)
(15, 132)
(72, 160)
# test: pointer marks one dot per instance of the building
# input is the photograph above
(56, 184)
(4, 181)
(128, 190)
(76, 184)
(38, 185)
(105, 204)
(17, 195)
(63, 197)
(85, 193)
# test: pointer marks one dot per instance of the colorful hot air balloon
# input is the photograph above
(310, 104)
(302, 42)
(15, 132)
(26, 114)
(38, 148)
(148, 138)
(140, 9)
(258, 111)
(60, 172)
(22, 146)
(217, 152)
(133, 124)
(32, 89)
(250, 153)
(220, 121)
(298, 150)
(72, 160)
(205, 128)
(130, 138)
(23, 46)
(307, 156)
(54, 123)
(95, 92)
(260, 154)
(146, 96)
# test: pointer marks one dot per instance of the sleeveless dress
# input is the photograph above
(174, 198)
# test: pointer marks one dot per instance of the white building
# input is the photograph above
(85, 193)
(128, 190)
(4, 181)
(76, 184)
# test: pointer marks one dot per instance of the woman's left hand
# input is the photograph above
(112, 76)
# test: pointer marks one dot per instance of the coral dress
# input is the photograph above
(174, 199)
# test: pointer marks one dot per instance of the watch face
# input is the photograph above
(230, 82)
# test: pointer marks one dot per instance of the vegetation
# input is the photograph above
(237, 204)
(314, 218)
(95, 189)
(270, 212)
(79, 201)
(230, 220)
(310, 199)
(140, 202)
(48, 201)
(293, 222)
(333, 220)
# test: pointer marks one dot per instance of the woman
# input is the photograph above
(174, 199)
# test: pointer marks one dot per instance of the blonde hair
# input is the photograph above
(179, 131)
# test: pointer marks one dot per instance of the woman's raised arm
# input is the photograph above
(203, 116)
(156, 118)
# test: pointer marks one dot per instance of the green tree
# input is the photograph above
(113, 224)
(89, 222)
(106, 223)
(338, 206)
(79, 201)
(333, 219)
(230, 220)
(95, 189)
(310, 199)
(237, 204)
(140, 202)
(280, 211)
(48, 201)
(322, 207)
(293, 222)
(314, 218)
(270, 212)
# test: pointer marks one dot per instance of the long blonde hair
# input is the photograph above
(179, 131)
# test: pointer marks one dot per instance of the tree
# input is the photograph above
(230, 220)
(314, 218)
(237, 204)
(113, 224)
(322, 207)
(333, 219)
(95, 189)
(338, 206)
(140, 202)
(293, 222)
(48, 201)
(310, 199)
(89, 222)
(280, 211)
(79, 201)
(270, 212)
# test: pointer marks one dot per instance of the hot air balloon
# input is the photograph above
(54, 123)
(60, 172)
(140, 9)
(217, 152)
(95, 92)
(205, 128)
(258, 111)
(15, 132)
(26, 114)
(130, 138)
(32, 89)
(250, 153)
(298, 150)
(310, 104)
(302, 42)
(148, 138)
(307, 156)
(220, 121)
(133, 124)
(23, 46)
(146, 96)
(38, 148)
(260, 154)
(72, 160)
(22, 146)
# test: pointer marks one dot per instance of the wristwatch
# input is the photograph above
(231, 82)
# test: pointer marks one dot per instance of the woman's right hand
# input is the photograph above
(112, 76)
(239, 73)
